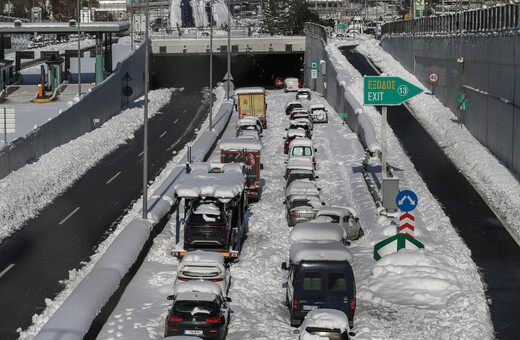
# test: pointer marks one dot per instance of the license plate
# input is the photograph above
(193, 332)
(306, 215)
(307, 307)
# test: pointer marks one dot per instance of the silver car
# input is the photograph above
(302, 208)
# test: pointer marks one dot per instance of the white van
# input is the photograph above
(291, 84)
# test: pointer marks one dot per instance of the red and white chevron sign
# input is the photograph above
(406, 224)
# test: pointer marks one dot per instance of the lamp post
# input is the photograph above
(79, 51)
(145, 122)
(211, 66)
(228, 53)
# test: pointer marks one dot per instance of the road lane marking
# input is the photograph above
(185, 110)
(176, 120)
(114, 177)
(142, 152)
(6, 269)
(69, 216)
(162, 134)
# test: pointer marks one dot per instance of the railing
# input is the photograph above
(316, 31)
(482, 20)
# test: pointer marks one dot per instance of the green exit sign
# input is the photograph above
(343, 115)
(388, 90)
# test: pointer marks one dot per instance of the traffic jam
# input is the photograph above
(219, 198)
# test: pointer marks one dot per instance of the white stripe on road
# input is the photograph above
(176, 120)
(114, 177)
(68, 216)
(162, 134)
(142, 152)
(6, 269)
(185, 110)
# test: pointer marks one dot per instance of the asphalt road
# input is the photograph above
(65, 234)
(493, 249)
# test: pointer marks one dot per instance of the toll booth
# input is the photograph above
(7, 74)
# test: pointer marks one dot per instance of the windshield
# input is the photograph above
(206, 214)
(195, 307)
(302, 151)
(334, 218)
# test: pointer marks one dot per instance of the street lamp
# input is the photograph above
(79, 51)
(145, 122)
(211, 66)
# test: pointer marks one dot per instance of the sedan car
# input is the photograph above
(303, 93)
(302, 123)
(291, 105)
(204, 266)
(292, 134)
(300, 174)
(301, 208)
(279, 83)
(199, 309)
(325, 323)
(346, 217)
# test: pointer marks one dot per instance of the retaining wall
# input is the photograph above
(486, 67)
(96, 107)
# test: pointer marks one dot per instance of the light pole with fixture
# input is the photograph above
(211, 66)
(79, 51)
(145, 122)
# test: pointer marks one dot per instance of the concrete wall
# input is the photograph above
(98, 106)
(489, 74)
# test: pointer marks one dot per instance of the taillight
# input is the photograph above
(216, 280)
(352, 303)
(182, 278)
(292, 214)
(313, 160)
(190, 226)
(174, 318)
(216, 319)
(295, 303)
(218, 226)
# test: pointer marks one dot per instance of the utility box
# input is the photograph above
(390, 190)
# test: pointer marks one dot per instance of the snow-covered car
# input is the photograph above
(300, 174)
(248, 134)
(204, 266)
(301, 187)
(249, 123)
(302, 123)
(319, 276)
(325, 323)
(298, 163)
(301, 208)
(291, 135)
(291, 104)
(291, 84)
(346, 217)
(279, 83)
(303, 93)
(317, 231)
(199, 308)
(302, 148)
(318, 113)
(297, 110)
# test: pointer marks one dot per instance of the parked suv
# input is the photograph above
(208, 225)
(318, 113)
(346, 217)
(291, 135)
(199, 309)
(320, 276)
(204, 266)
(291, 105)
(303, 93)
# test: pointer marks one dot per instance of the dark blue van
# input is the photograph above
(320, 276)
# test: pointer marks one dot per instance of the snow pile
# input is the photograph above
(319, 251)
(198, 287)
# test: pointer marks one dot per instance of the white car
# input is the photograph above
(291, 84)
(301, 187)
(318, 113)
(303, 93)
(325, 323)
(204, 266)
(346, 217)
(302, 148)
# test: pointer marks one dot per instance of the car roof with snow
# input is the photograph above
(300, 122)
(247, 90)
(238, 144)
(302, 187)
(301, 142)
(293, 102)
(296, 133)
(304, 89)
(338, 211)
(202, 258)
(220, 180)
(198, 287)
(248, 120)
(326, 318)
(317, 231)
(317, 106)
(319, 251)
(304, 163)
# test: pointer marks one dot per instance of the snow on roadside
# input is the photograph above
(494, 181)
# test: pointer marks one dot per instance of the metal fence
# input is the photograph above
(482, 20)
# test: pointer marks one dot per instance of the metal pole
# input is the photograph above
(229, 53)
(5, 125)
(79, 52)
(383, 142)
(211, 66)
(145, 137)
(131, 25)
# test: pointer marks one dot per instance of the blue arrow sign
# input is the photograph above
(406, 200)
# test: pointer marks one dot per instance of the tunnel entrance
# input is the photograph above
(246, 69)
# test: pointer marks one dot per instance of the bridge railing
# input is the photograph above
(482, 20)
(317, 31)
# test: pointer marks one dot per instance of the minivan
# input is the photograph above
(291, 84)
(320, 276)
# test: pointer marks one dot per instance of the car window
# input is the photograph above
(307, 151)
(334, 218)
(195, 307)
(206, 214)
(312, 281)
(193, 274)
(297, 151)
(337, 281)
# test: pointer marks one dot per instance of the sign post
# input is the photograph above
(462, 104)
(314, 69)
(8, 122)
(387, 91)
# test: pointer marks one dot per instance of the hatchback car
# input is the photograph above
(249, 123)
(318, 113)
(303, 93)
(301, 208)
(298, 163)
(301, 187)
(279, 83)
(199, 309)
(325, 324)
(346, 217)
(302, 123)
(300, 174)
(207, 225)
(292, 134)
(204, 266)
(297, 110)
(291, 105)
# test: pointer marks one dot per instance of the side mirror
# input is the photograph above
(317, 177)
(261, 166)
(169, 297)
(284, 266)
(322, 203)
(315, 150)
(286, 129)
(352, 333)
(228, 299)
(296, 331)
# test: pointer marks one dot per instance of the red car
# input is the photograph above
(279, 83)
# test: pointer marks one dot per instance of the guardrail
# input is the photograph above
(483, 20)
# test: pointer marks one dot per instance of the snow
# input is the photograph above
(207, 287)
(240, 144)
(317, 231)
(296, 133)
(200, 257)
(301, 142)
(338, 211)
(249, 90)
(301, 187)
(315, 250)
(301, 163)
(325, 318)
(434, 292)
